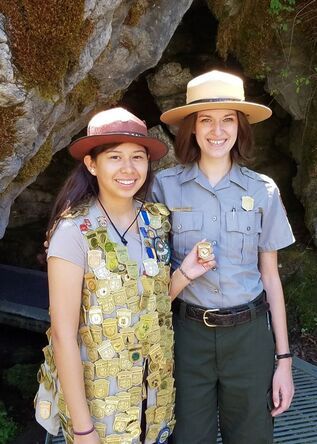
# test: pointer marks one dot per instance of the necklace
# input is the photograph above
(122, 238)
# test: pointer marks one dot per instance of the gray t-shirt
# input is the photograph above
(241, 216)
(68, 242)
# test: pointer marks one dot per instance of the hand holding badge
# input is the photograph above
(199, 260)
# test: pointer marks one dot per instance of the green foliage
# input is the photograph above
(300, 291)
(8, 428)
(279, 6)
(22, 377)
(301, 81)
(254, 39)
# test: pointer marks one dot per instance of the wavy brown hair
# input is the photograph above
(80, 187)
(187, 149)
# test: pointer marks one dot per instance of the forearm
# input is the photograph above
(177, 284)
(275, 298)
(70, 373)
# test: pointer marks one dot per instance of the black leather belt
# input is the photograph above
(223, 317)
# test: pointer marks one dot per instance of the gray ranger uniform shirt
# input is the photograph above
(199, 210)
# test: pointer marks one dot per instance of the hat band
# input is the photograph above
(121, 133)
(217, 99)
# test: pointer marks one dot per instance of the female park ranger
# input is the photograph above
(230, 323)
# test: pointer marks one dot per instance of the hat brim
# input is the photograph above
(82, 146)
(254, 112)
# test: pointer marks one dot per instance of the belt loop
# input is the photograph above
(182, 310)
(252, 310)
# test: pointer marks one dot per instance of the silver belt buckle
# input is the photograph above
(212, 310)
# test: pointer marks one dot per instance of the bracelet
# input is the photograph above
(84, 433)
(284, 356)
(184, 274)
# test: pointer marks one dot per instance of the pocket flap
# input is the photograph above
(186, 221)
(246, 222)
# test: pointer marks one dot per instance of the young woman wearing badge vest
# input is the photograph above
(230, 324)
(107, 376)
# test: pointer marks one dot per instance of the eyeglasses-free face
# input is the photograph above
(216, 132)
(120, 171)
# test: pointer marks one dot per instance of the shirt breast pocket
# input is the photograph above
(186, 231)
(242, 236)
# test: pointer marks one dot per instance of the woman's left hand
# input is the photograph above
(283, 387)
(194, 267)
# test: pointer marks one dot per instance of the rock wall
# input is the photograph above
(125, 39)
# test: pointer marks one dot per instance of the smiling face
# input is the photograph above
(216, 132)
(120, 171)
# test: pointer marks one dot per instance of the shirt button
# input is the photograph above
(248, 228)
(214, 242)
(214, 218)
(214, 268)
(179, 227)
(216, 290)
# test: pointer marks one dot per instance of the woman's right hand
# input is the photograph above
(92, 438)
(194, 267)
(191, 268)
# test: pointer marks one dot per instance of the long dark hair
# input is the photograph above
(80, 187)
(187, 149)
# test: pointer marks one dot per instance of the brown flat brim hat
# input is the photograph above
(113, 126)
(216, 90)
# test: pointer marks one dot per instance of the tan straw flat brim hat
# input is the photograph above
(114, 126)
(216, 90)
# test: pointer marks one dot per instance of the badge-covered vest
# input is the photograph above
(125, 336)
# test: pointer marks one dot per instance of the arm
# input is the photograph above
(65, 287)
(283, 388)
(191, 268)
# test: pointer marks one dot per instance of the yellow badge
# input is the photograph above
(124, 317)
(95, 315)
(106, 350)
(110, 327)
(113, 366)
(101, 429)
(124, 401)
(247, 203)
(94, 258)
(115, 282)
(45, 409)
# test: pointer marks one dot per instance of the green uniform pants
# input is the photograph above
(228, 369)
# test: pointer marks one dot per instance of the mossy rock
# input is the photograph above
(37, 164)
(84, 93)
(8, 119)
(45, 41)
(136, 11)
(23, 378)
(300, 289)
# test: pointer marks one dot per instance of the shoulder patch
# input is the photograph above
(80, 210)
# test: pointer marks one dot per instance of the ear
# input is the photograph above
(90, 164)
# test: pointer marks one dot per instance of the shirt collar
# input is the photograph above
(192, 172)
(236, 176)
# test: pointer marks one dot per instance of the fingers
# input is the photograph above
(209, 265)
(209, 258)
(282, 400)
